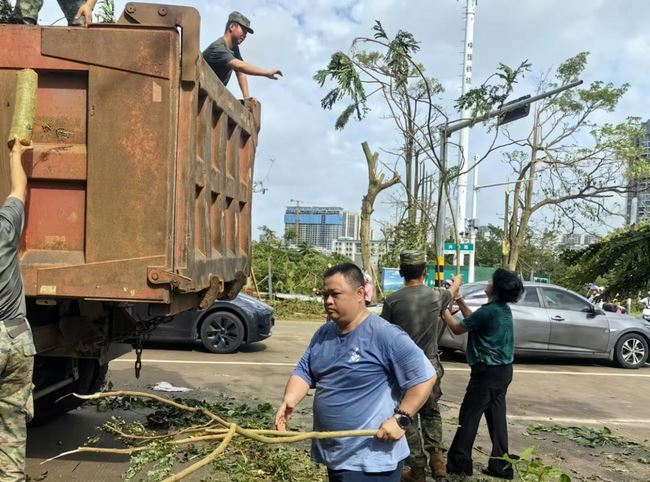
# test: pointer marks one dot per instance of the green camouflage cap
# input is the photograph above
(241, 20)
(412, 257)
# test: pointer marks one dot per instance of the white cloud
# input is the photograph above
(315, 163)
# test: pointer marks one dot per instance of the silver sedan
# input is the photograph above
(552, 321)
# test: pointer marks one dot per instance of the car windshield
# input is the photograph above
(469, 288)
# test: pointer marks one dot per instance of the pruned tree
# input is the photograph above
(376, 184)
(391, 73)
(568, 164)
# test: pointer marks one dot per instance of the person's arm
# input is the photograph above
(464, 309)
(243, 84)
(414, 398)
(250, 69)
(385, 311)
(455, 286)
(17, 172)
(294, 392)
(86, 11)
(454, 325)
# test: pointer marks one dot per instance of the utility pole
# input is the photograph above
(442, 211)
(474, 226)
(463, 136)
(270, 277)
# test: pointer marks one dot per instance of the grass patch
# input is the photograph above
(298, 310)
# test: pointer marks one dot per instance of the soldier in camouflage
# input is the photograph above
(77, 12)
(416, 309)
(16, 343)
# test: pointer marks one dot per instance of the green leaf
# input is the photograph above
(527, 453)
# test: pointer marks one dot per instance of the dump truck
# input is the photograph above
(139, 188)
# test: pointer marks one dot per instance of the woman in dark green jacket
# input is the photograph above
(490, 352)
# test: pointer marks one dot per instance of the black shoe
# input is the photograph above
(500, 475)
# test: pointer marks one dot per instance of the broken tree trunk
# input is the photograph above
(376, 184)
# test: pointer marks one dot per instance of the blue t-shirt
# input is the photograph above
(360, 378)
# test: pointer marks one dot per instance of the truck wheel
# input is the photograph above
(92, 376)
(222, 332)
(631, 351)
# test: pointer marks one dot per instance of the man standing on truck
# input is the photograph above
(223, 54)
(16, 343)
(26, 11)
(417, 309)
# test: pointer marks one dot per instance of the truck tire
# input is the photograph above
(92, 376)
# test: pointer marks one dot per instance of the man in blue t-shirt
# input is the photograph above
(368, 375)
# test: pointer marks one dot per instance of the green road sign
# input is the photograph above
(450, 248)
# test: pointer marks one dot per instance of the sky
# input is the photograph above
(301, 156)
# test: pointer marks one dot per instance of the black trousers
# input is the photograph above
(486, 394)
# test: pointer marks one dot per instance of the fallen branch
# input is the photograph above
(215, 429)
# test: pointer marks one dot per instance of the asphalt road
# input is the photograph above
(576, 393)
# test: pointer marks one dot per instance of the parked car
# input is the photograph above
(552, 321)
(223, 328)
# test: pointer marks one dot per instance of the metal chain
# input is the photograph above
(138, 355)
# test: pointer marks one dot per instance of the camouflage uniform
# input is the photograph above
(16, 404)
(26, 11)
(430, 425)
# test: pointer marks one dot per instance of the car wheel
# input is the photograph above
(222, 332)
(631, 351)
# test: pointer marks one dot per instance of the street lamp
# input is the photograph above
(507, 113)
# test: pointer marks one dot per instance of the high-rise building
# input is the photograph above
(577, 240)
(315, 225)
(351, 226)
(638, 197)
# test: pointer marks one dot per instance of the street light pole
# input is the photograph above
(463, 142)
(441, 214)
(472, 234)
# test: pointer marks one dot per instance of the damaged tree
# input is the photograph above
(413, 101)
(376, 184)
(567, 162)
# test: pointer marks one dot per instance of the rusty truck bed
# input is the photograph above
(140, 179)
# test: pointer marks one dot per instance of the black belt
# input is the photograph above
(16, 326)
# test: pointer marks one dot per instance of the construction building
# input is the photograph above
(319, 226)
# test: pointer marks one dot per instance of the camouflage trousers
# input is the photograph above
(26, 11)
(425, 433)
(16, 403)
